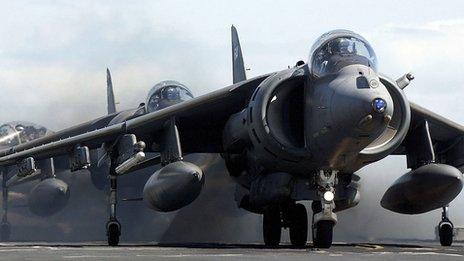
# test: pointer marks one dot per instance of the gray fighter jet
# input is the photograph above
(296, 134)
(19, 132)
(51, 194)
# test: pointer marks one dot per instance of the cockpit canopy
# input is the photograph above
(165, 94)
(337, 49)
(17, 132)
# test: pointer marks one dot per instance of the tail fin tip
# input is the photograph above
(238, 67)
(111, 104)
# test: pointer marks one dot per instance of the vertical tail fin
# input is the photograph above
(238, 68)
(109, 93)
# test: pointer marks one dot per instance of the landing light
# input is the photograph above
(328, 196)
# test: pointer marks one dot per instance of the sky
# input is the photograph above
(53, 55)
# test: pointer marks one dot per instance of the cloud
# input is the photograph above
(52, 64)
(433, 52)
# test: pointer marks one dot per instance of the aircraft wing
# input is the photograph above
(441, 128)
(445, 137)
(200, 123)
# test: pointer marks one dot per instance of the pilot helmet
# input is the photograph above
(171, 93)
(165, 94)
(341, 46)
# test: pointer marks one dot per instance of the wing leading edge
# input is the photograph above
(446, 136)
(200, 123)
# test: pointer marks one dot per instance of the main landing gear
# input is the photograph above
(5, 227)
(324, 219)
(292, 216)
(445, 229)
(128, 154)
(113, 227)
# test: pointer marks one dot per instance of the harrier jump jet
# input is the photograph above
(291, 135)
(50, 194)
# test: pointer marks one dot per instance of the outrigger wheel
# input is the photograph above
(5, 231)
(272, 226)
(113, 231)
(445, 229)
(445, 232)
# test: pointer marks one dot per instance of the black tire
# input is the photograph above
(316, 207)
(322, 234)
(298, 225)
(445, 232)
(272, 226)
(5, 232)
(113, 233)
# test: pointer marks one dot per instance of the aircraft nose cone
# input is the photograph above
(360, 109)
(347, 111)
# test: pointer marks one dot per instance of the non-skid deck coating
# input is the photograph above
(340, 251)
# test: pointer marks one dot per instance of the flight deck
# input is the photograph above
(153, 251)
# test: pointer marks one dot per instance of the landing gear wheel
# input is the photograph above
(272, 226)
(322, 234)
(113, 231)
(298, 225)
(316, 207)
(5, 231)
(445, 232)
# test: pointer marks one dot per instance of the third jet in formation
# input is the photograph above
(291, 135)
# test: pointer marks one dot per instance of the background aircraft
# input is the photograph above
(286, 136)
(51, 194)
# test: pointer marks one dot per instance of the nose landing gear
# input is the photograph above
(322, 231)
(324, 219)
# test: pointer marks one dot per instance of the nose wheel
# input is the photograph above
(445, 229)
(322, 231)
(324, 218)
(322, 234)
